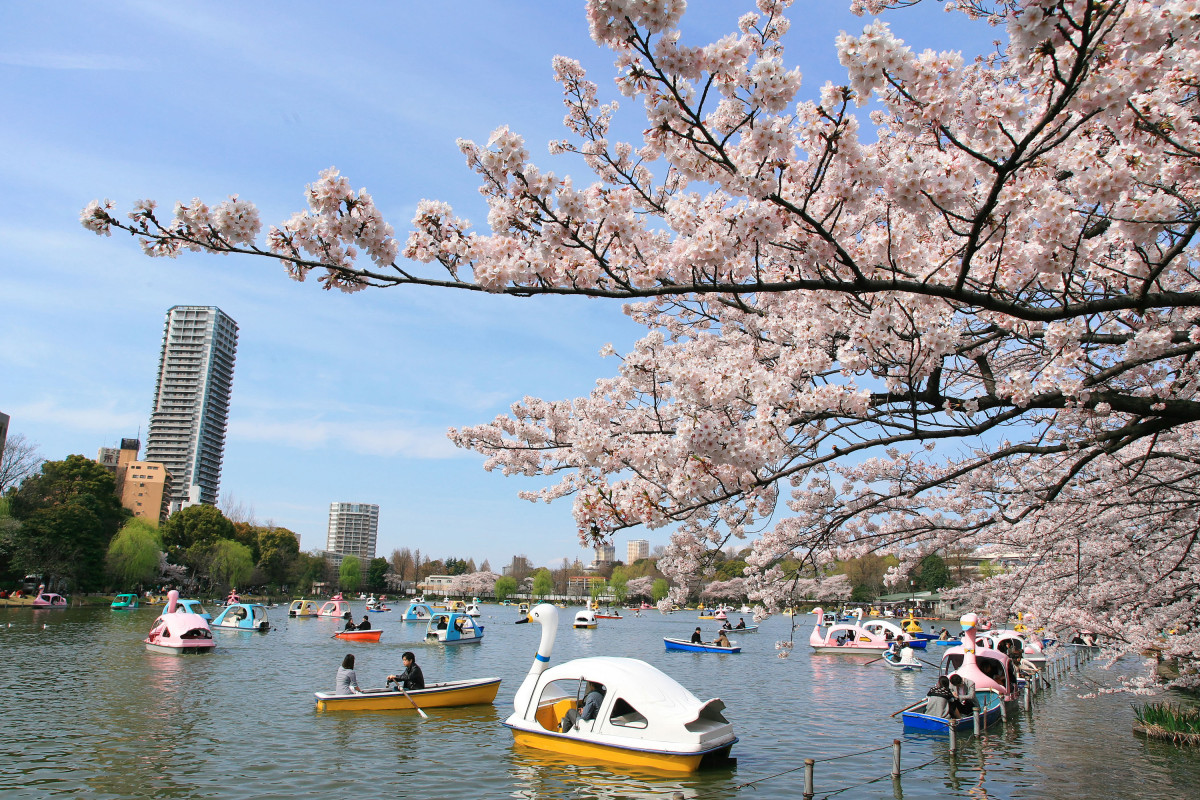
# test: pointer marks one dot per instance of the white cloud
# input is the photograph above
(78, 61)
(358, 436)
(92, 419)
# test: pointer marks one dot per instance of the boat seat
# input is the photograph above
(550, 715)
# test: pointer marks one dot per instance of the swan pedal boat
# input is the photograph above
(370, 635)
(701, 647)
(989, 711)
(453, 627)
(303, 608)
(418, 611)
(192, 607)
(858, 641)
(586, 618)
(243, 617)
(646, 720)
(450, 694)
(178, 632)
(124, 602)
(46, 599)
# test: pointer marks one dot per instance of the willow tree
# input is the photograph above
(134, 554)
(977, 323)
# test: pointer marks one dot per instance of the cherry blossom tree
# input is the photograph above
(640, 587)
(976, 324)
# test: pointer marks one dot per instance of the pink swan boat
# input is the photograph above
(336, 606)
(986, 668)
(46, 599)
(178, 632)
(856, 639)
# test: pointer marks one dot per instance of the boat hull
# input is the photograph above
(437, 695)
(573, 747)
(692, 647)
(851, 650)
(988, 715)
(900, 666)
(360, 636)
(180, 651)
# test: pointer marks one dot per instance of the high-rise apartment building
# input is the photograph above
(191, 402)
(605, 554)
(353, 529)
(636, 549)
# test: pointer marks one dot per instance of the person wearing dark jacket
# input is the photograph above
(365, 625)
(696, 637)
(412, 677)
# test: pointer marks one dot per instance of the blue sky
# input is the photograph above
(336, 397)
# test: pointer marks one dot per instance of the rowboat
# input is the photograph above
(699, 647)
(450, 694)
(371, 635)
(989, 712)
(747, 629)
(645, 719)
(894, 661)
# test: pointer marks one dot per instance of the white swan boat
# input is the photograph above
(645, 719)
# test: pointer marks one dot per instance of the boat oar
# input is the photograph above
(910, 708)
(414, 702)
(872, 661)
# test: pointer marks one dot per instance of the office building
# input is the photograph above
(605, 554)
(143, 486)
(191, 402)
(353, 529)
(4, 418)
(636, 549)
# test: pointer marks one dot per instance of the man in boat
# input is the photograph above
(412, 677)
(696, 637)
(964, 694)
(938, 702)
(741, 623)
(586, 709)
(365, 625)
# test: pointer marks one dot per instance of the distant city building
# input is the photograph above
(142, 486)
(435, 584)
(146, 490)
(191, 402)
(636, 549)
(4, 418)
(353, 529)
(605, 554)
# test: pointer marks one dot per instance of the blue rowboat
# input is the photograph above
(945, 642)
(702, 647)
(989, 712)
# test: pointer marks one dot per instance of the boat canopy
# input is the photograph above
(652, 692)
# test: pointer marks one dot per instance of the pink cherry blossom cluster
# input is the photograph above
(974, 325)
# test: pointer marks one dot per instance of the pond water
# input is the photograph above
(91, 713)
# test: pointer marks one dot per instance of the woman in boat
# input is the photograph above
(346, 681)
(944, 636)
(350, 626)
(939, 700)
(722, 640)
(587, 708)
(412, 677)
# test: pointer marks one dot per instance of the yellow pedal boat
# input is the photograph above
(479, 691)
